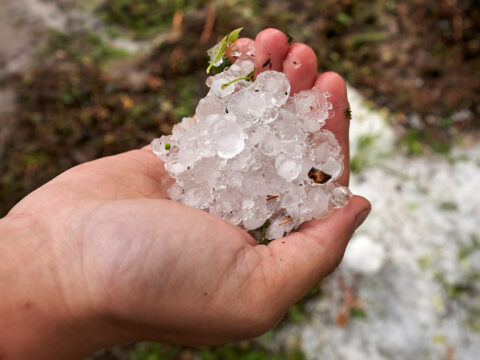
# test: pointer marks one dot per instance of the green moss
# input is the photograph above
(144, 18)
(455, 290)
(465, 252)
(82, 47)
(358, 313)
(413, 142)
(296, 314)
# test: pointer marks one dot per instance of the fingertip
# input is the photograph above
(242, 47)
(359, 204)
(362, 212)
(272, 36)
(271, 45)
(300, 67)
(332, 81)
(302, 258)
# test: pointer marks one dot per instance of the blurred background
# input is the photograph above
(85, 79)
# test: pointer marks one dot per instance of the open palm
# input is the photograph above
(155, 269)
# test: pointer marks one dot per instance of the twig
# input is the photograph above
(286, 221)
(177, 22)
(209, 21)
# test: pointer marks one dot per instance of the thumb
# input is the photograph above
(303, 258)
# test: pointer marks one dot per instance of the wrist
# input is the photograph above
(42, 311)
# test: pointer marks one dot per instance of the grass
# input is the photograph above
(418, 142)
(82, 47)
(364, 154)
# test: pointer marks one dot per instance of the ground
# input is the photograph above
(87, 79)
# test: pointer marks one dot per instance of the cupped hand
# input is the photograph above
(125, 263)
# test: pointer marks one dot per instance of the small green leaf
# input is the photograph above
(217, 52)
(167, 146)
(218, 69)
(348, 113)
(290, 38)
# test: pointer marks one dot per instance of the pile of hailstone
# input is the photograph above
(254, 155)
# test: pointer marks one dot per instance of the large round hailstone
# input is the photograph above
(254, 155)
(287, 167)
(228, 138)
(273, 84)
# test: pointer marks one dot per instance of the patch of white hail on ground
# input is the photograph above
(250, 154)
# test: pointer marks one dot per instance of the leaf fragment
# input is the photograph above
(318, 176)
(348, 113)
(217, 53)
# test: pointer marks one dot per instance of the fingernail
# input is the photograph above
(361, 218)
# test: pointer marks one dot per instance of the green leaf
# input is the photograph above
(348, 112)
(290, 38)
(217, 52)
(218, 69)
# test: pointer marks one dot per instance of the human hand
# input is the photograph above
(112, 260)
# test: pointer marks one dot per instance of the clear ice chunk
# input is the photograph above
(279, 227)
(312, 105)
(340, 196)
(210, 105)
(276, 85)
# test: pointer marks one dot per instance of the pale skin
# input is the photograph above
(100, 256)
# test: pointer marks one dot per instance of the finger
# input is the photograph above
(301, 259)
(271, 45)
(243, 47)
(340, 122)
(300, 67)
